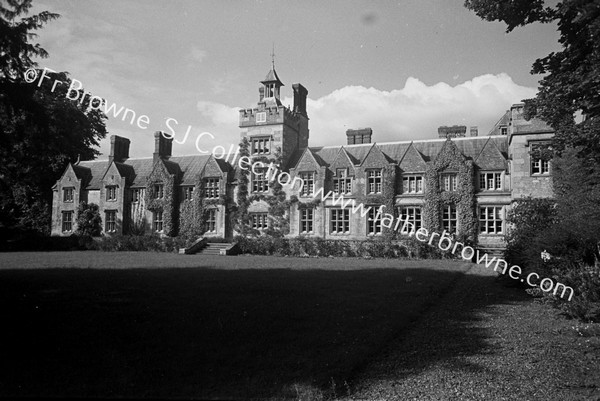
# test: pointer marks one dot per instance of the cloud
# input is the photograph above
(413, 112)
(197, 54)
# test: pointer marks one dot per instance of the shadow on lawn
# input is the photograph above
(213, 333)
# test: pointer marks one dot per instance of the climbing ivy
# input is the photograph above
(167, 203)
(279, 206)
(452, 161)
(242, 218)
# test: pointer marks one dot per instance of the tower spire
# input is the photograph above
(273, 56)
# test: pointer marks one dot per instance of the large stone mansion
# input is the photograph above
(459, 182)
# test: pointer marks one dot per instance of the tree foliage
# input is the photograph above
(89, 222)
(571, 81)
(41, 130)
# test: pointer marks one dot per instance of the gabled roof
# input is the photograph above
(96, 172)
(470, 147)
(311, 157)
(191, 167)
(412, 160)
(342, 159)
(375, 155)
(142, 169)
(491, 157)
(82, 173)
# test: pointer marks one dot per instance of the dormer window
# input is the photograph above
(342, 183)
(68, 194)
(111, 193)
(159, 191)
(374, 181)
(449, 182)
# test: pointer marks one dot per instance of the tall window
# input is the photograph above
(412, 184)
(412, 214)
(374, 181)
(259, 221)
(187, 193)
(342, 183)
(211, 221)
(490, 181)
(340, 221)
(490, 219)
(111, 193)
(449, 221)
(306, 221)
(261, 146)
(67, 222)
(68, 194)
(259, 183)
(449, 182)
(110, 221)
(309, 184)
(538, 165)
(211, 188)
(157, 221)
(159, 191)
(135, 195)
(374, 221)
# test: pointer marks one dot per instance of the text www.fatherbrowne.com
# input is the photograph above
(444, 241)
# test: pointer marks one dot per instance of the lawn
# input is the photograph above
(162, 325)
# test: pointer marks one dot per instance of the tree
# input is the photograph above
(89, 222)
(41, 129)
(572, 76)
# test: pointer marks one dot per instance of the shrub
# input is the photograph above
(306, 246)
(89, 222)
(140, 243)
(585, 281)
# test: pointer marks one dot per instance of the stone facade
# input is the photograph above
(457, 183)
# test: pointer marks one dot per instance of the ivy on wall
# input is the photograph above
(167, 203)
(191, 223)
(452, 161)
(242, 218)
(279, 206)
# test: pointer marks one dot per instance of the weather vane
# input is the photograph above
(273, 56)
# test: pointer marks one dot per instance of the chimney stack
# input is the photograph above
(300, 94)
(358, 136)
(456, 131)
(119, 149)
(474, 131)
(162, 146)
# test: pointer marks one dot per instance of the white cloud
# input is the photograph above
(197, 54)
(413, 112)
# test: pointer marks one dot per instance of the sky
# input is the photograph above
(402, 68)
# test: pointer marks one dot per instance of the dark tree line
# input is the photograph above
(40, 129)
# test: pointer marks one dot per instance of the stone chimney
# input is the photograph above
(300, 94)
(473, 131)
(119, 149)
(358, 136)
(456, 131)
(162, 146)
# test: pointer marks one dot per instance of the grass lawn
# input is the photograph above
(163, 325)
